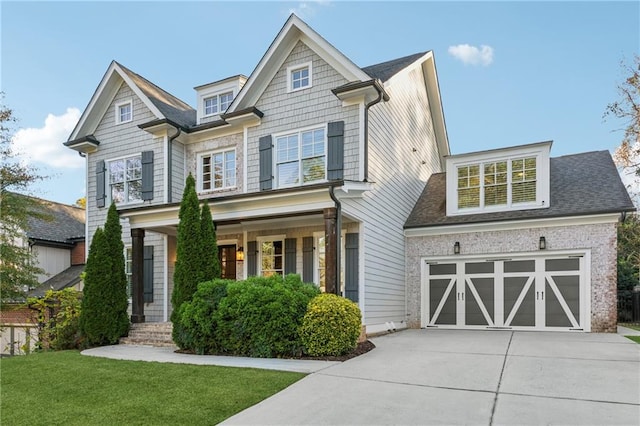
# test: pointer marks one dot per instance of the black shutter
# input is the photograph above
(307, 259)
(266, 163)
(252, 258)
(147, 175)
(147, 274)
(100, 182)
(351, 266)
(335, 150)
(290, 256)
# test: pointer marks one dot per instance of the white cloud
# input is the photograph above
(471, 55)
(307, 9)
(44, 144)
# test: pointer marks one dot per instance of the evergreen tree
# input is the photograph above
(117, 295)
(211, 263)
(188, 271)
(95, 313)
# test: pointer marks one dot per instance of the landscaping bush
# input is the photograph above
(257, 317)
(197, 318)
(331, 326)
(58, 318)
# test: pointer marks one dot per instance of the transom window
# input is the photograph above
(217, 104)
(124, 112)
(218, 170)
(271, 257)
(299, 77)
(125, 180)
(498, 183)
(301, 157)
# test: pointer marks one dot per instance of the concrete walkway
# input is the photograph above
(448, 377)
(454, 377)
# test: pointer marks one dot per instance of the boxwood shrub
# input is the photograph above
(258, 317)
(331, 326)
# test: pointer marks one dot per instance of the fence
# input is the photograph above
(18, 339)
(629, 307)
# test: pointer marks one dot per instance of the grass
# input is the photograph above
(634, 338)
(56, 388)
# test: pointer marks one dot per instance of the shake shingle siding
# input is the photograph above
(305, 108)
(398, 175)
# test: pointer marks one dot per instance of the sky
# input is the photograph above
(510, 73)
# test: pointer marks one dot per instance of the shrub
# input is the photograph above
(196, 329)
(331, 326)
(58, 316)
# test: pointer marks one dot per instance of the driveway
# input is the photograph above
(468, 377)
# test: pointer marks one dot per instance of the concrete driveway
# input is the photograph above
(469, 377)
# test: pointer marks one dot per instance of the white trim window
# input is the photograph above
(271, 255)
(301, 157)
(507, 179)
(319, 258)
(217, 104)
(125, 179)
(299, 77)
(124, 112)
(217, 170)
(128, 269)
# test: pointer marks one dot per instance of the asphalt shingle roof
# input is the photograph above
(67, 278)
(385, 70)
(171, 107)
(66, 224)
(580, 184)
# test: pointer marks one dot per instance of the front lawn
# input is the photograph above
(68, 388)
(634, 338)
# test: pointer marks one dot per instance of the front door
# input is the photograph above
(227, 258)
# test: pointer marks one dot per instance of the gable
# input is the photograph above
(293, 31)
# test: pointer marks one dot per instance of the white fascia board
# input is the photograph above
(293, 30)
(134, 87)
(512, 225)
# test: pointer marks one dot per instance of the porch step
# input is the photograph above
(150, 334)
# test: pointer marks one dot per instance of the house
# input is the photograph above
(310, 165)
(57, 241)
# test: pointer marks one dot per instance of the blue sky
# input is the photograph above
(510, 72)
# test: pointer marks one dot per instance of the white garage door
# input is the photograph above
(527, 292)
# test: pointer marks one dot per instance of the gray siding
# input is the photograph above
(52, 260)
(309, 107)
(118, 141)
(395, 128)
(178, 173)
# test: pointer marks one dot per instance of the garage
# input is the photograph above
(525, 291)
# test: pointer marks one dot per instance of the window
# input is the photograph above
(497, 183)
(271, 256)
(218, 170)
(217, 104)
(124, 112)
(125, 180)
(298, 77)
(319, 261)
(300, 157)
(227, 258)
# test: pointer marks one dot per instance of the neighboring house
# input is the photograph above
(311, 165)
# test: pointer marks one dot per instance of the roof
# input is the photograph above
(66, 224)
(171, 107)
(67, 278)
(385, 70)
(580, 184)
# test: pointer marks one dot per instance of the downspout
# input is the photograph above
(381, 95)
(169, 163)
(338, 205)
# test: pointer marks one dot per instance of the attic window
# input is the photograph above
(511, 179)
(299, 77)
(124, 112)
(217, 104)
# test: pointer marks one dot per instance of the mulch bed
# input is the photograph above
(362, 348)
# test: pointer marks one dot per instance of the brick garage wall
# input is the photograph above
(77, 254)
(601, 239)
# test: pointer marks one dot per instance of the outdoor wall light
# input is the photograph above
(543, 243)
(240, 254)
(456, 248)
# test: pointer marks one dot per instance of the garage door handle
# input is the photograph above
(539, 295)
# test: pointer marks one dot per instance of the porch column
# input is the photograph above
(331, 260)
(137, 271)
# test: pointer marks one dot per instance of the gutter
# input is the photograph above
(381, 94)
(169, 163)
(338, 236)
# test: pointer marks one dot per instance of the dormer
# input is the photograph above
(214, 98)
(515, 178)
